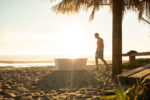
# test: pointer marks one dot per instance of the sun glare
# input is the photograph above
(74, 36)
(73, 55)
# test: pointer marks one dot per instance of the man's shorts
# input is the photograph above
(99, 54)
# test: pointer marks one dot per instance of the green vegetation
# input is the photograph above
(139, 62)
(136, 92)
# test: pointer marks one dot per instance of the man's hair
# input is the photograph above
(97, 34)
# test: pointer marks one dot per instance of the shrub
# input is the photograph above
(139, 62)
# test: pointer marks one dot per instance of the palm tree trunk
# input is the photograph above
(117, 37)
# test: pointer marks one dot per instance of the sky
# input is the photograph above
(31, 27)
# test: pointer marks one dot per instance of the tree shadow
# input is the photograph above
(67, 79)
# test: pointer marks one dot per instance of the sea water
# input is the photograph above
(39, 61)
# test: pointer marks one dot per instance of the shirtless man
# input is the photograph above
(99, 51)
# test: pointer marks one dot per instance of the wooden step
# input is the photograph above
(141, 74)
(130, 77)
(134, 71)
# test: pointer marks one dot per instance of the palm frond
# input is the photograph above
(140, 6)
(146, 20)
(74, 6)
(69, 6)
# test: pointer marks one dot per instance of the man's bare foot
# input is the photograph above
(107, 69)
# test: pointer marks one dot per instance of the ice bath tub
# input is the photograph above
(70, 64)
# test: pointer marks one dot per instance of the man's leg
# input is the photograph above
(105, 63)
(96, 61)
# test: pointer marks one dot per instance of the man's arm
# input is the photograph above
(102, 44)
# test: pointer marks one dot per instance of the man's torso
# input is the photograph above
(100, 44)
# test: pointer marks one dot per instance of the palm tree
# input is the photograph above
(146, 20)
(118, 8)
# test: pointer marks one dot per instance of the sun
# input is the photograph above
(73, 41)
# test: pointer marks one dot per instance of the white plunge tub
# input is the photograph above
(70, 64)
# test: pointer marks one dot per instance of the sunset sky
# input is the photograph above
(31, 27)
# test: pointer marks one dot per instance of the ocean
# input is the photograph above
(41, 60)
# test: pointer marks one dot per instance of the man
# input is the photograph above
(99, 51)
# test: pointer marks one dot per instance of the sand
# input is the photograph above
(45, 83)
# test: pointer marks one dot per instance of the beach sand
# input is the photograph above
(45, 83)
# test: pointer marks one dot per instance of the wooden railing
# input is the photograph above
(133, 55)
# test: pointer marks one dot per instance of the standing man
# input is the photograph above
(99, 51)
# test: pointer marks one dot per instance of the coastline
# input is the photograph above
(42, 63)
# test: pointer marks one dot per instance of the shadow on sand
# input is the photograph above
(67, 79)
